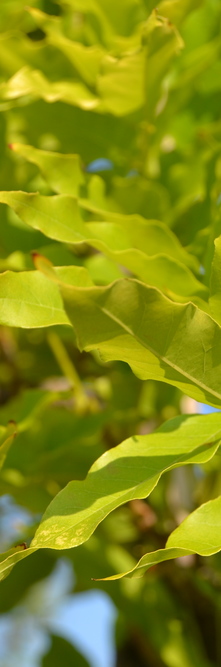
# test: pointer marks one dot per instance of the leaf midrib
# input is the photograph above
(124, 494)
(165, 360)
(34, 304)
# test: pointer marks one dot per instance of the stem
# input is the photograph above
(67, 367)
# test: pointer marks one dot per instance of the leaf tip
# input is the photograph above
(40, 260)
(44, 265)
(23, 545)
(35, 255)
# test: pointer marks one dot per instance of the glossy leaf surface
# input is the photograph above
(199, 533)
(137, 324)
(129, 471)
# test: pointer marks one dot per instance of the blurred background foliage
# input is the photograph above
(72, 81)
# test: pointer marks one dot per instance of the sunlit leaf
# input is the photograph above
(159, 339)
(199, 533)
(32, 82)
(59, 217)
(28, 299)
(178, 442)
(128, 471)
(62, 172)
(11, 557)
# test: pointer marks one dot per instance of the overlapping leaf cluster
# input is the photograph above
(110, 178)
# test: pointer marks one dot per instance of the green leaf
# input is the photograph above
(59, 218)
(113, 19)
(163, 43)
(201, 530)
(115, 93)
(161, 271)
(123, 473)
(86, 60)
(150, 236)
(161, 340)
(11, 557)
(7, 436)
(28, 81)
(140, 246)
(199, 533)
(177, 11)
(28, 299)
(215, 282)
(62, 172)
(130, 470)
(122, 86)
